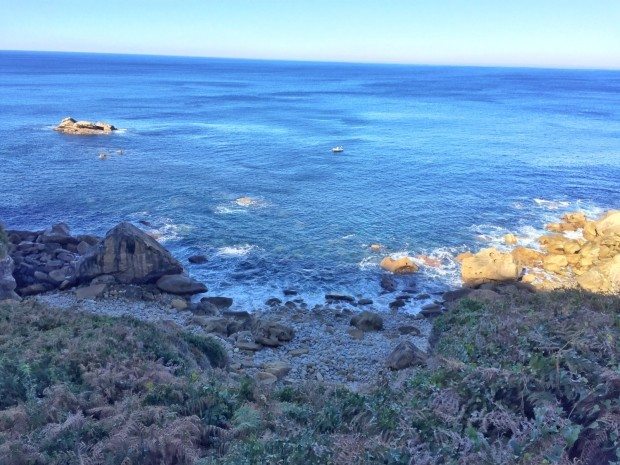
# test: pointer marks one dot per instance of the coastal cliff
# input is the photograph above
(107, 338)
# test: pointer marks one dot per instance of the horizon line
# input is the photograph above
(299, 60)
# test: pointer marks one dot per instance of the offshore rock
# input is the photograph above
(128, 254)
(71, 126)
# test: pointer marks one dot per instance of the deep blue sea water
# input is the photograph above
(436, 160)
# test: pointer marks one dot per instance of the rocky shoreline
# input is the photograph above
(345, 340)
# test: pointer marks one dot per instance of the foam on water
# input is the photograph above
(236, 250)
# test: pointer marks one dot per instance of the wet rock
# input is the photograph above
(221, 303)
(273, 302)
(197, 259)
(339, 298)
(130, 255)
(387, 283)
(510, 239)
(367, 321)
(404, 265)
(180, 284)
(364, 302)
(405, 355)
(289, 292)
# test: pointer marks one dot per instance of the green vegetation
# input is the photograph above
(525, 379)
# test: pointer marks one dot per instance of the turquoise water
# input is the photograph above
(436, 160)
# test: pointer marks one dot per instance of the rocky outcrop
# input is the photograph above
(579, 253)
(71, 126)
(402, 265)
(130, 255)
(7, 282)
(489, 265)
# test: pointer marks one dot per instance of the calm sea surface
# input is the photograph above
(436, 160)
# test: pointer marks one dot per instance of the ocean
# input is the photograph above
(437, 160)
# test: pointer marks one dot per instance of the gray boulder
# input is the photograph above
(130, 255)
(367, 321)
(405, 355)
(220, 302)
(180, 284)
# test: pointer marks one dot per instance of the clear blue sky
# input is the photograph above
(549, 33)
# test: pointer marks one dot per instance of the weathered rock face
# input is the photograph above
(399, 265)
(71, 126)
(7, 282)
(581, 253)
(130, 255)
(489, 265)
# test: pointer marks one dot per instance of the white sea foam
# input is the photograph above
(551, 204)
(236, 250)
(241, 205)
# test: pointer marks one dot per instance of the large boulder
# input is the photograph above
(367, 321)
(602, 278)
(401, 265)
(180, 284)
(609, 223)
(71, 126)
(7, 282)
(489, 265)
(130, 255)
(405, 355)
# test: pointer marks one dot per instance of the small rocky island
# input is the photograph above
(84, 128)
